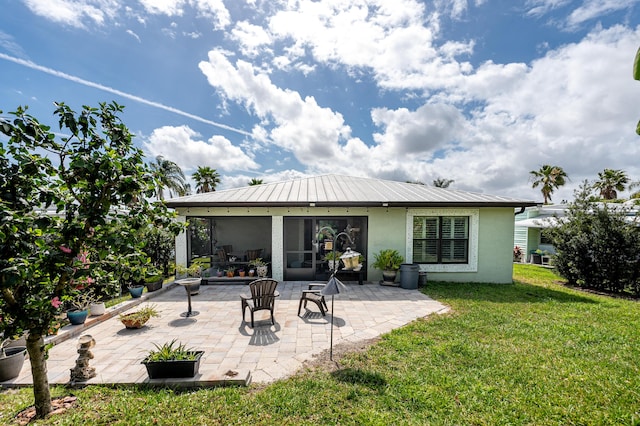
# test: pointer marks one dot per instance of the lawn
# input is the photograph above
(529, 353)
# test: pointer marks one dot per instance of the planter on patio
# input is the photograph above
(11, 364)
(167, 361)
(136, 291)
(138, 318)
(77, 317)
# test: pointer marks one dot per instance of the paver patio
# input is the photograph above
(234, 352)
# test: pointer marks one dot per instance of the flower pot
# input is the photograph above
(173, 368)
(230, 274)
(134, 321)
(11, 364)
(97, 309)
(136, 291)
(252, 272)
(262, 271)
(154, 285)
(77, 317)
(241, 273)
(389, 276)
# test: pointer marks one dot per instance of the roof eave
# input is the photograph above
(426, 204)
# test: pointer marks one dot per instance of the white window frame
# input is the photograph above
(474, 222)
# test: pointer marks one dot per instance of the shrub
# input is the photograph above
(596, 247)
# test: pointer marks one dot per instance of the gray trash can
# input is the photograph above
(409, 276)
(422, 278)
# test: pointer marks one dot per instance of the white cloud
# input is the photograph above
(134, 35)
(164, 7)
(75, 13)
(300, 123)
(417, 133)
(396, 41)
(215, 10)
(594, 9)
(184, 146)
(250, 37)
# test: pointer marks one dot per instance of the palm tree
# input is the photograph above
(609, 181)
(550, 178)
(168, 175)
(442, 182)
(633, 185)
(255, 181)
(206, 179)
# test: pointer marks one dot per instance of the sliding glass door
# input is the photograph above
(308, 240)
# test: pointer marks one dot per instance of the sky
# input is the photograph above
(478, 91)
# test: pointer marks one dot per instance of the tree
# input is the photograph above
(636, 76)
(596, 247)
(69, 212)
(549, 178)
(255, 181)
(633, 185)
(168, 175)
(609, 182)
(206, 179)
(442, 182)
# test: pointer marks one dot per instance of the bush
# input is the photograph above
(160, 247)
(596, 247)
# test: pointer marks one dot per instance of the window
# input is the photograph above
(441, 239)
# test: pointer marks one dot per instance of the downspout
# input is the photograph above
(521, 211)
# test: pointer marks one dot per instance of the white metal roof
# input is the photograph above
(338, 190)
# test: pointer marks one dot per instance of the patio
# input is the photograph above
(234, 352)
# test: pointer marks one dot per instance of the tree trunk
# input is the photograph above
(37, 357)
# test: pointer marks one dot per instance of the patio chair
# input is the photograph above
(263, 296)
(253, 254)
(313, 295)
(223, 259)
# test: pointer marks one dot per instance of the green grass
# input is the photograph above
(529, 353)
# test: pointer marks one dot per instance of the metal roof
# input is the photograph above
(338, 190)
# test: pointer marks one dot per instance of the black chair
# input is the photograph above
(263, 297)
(313, 295)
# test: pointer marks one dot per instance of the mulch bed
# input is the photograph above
(58, 406)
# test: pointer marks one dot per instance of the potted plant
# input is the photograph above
(154, 279)
(138, 318)
(172, 359)
(11, 360)
(79, 307)
(333, 259)
(388, 261)
(230, 271)
(261, 267)
(135, 290)
(241, 272)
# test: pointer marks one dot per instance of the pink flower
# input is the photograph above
(56, 302)
(65, 249)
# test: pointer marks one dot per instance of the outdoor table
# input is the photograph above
(187, 283)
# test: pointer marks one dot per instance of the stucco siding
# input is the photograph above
(495, 250)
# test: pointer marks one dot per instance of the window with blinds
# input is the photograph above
(440, 239)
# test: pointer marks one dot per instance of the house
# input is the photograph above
(452, 235)
(530, 223)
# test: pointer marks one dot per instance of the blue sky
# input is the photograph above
(479, 91)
